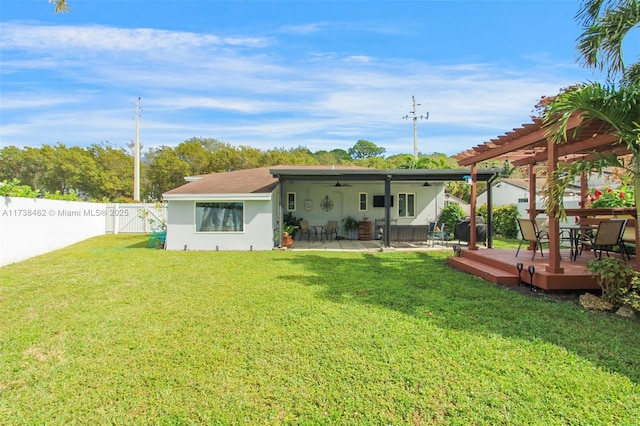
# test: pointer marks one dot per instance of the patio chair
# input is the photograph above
(608, 235)
(439, 233)
(305, 229)
(531, 234)
(330, 230)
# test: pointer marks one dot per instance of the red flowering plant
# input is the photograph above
(607, 197)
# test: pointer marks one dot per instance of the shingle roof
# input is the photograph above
(235, 182)
(248, 181)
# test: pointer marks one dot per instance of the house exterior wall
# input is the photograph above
(504, 193)
(309, 197)
(258, 232)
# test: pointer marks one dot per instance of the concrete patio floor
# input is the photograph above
(366, 245)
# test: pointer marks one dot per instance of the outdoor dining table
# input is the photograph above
(318, 231)
(575, 231)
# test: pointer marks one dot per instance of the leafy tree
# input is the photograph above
(70, 169)
(114, 177)
(365, 149)
(461, 190)
(341, 154)
(165, 171)
(198, 158)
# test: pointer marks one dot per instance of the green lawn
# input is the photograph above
(110, 332)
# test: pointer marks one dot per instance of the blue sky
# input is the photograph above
(273, 74)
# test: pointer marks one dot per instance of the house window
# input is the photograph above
(291, 201)
(220, 217)
(364, 206)
(406, 205)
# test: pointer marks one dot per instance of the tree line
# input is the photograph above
(103, 172)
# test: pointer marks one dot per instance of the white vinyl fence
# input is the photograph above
(135, 218)
(30, 227)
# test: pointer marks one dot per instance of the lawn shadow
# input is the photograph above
(423, 285)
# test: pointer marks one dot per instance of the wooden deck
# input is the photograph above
(500, 266)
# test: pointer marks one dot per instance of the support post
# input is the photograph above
(554, 226)
(472, 208)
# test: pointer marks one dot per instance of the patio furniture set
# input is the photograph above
(596, 235)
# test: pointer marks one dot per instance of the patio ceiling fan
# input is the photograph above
(340, 185)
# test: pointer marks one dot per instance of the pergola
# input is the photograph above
(529, 146)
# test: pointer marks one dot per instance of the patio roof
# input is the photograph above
(528, 144)
(434, 175)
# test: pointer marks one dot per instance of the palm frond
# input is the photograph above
(605, 26)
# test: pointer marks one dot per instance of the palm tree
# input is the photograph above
(619, 107)
(61, 5)
(605, 25)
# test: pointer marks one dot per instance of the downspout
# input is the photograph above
(490, 210)
(280, 213)
(387, 211)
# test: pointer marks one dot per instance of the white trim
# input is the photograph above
(218, 197)
(295, 201)
(366, 201)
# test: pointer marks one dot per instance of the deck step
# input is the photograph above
(484, 271)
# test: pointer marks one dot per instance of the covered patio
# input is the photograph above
(528, 146)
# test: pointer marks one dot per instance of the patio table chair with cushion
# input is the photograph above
(530, 233)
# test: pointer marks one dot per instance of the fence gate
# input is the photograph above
(134, 218)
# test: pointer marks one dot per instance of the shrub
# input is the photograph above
(483, 211)
(505, 221)
(14, 188)
(450, 215)
(631, 296)
(614, 277)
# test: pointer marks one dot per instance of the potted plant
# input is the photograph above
(350, 225)
(287, 235)
(289, 226)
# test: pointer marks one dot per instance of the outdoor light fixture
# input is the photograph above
(532, 270)
(520, 267)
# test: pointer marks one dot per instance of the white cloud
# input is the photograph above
(246, 91)
(103, 38)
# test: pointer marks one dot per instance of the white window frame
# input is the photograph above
(291, 201)
(362, 199)
(403, 202)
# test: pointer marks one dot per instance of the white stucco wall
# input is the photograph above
(258, 233)
(30, 227)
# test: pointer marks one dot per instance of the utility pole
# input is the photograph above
(136, 158)
(414, 116)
